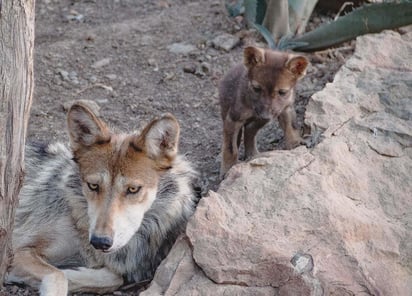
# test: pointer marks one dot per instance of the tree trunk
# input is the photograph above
(16, 89)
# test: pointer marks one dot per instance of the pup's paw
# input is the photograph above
(292, 143)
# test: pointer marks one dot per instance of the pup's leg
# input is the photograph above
(230, 148)
(251, 130)
(29, 268)
(287, 120)
(92, 280)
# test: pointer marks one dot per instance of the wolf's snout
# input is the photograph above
(101, 242)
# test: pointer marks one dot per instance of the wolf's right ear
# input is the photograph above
(253, 56)
(85, 128)
(160, 139)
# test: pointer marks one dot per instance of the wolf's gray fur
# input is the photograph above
(52, 205)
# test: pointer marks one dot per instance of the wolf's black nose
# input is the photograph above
(101, 243)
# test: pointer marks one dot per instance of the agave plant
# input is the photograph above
(281, 22)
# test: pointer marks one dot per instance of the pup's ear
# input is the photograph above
(297, 65)
(85, 128)
(160, 138)
(253, 56)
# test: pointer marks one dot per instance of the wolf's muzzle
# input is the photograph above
(101, 243)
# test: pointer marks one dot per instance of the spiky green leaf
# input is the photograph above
(371, 18)
(250, 11)
(266, 35)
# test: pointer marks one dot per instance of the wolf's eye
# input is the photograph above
(93, 187)
(282, 92)
(133, 189)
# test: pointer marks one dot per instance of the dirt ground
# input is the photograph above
(117, 53)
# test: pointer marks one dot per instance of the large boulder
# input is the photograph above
(332, 220)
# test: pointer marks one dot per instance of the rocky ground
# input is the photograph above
(137, 61)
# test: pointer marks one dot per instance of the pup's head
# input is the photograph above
(272, 78)
(119, 172)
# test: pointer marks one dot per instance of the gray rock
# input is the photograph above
(64, 75)
(181, 48)
(111, 76)
(332, 220)
(189, 68)
(225, 41)
(101, 63)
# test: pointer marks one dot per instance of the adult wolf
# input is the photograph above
(106, 210)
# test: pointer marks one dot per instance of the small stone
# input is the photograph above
(74, 16)
(92, 79)
(181, 48)
(225, 41)
(169, 76)
(151, 62)
(64, 75)
(205, 67)
(302, 263)
(72, 75)
(189, 68)
(90, 37)
(101, 63)
(111, 76)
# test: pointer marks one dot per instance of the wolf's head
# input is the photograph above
(119, 172)
(272, 77)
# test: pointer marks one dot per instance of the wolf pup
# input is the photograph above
(253, 93)
(104, 211)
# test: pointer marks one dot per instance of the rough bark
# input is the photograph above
(16, 88)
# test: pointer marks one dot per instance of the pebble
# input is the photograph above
(92, 79)
(73, 75)
(74, 16)
(64, 75)
(225, 41)
(189, 68)
(152, 62)
(181, 48)
(101, 63)
(111, 76)
(205, 67)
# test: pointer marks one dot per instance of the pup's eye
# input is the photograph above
(282, 92)
(257, 88)
(93, 187)
(133, 189)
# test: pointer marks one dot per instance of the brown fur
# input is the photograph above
(255, 92)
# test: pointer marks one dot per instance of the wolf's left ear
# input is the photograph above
(160, 138)
(85, 128)
(297, 65)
